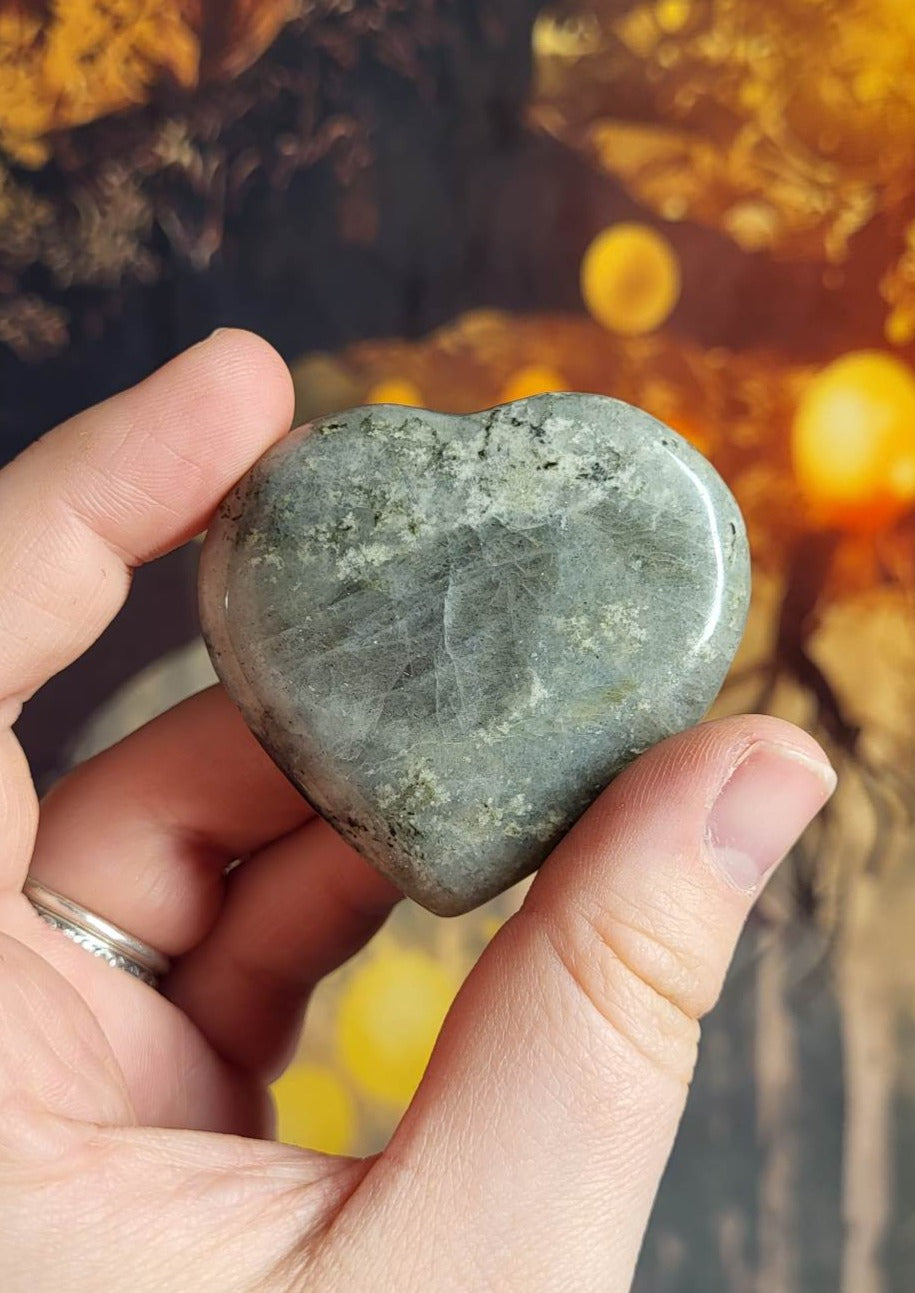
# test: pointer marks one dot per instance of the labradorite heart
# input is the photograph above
(452, 632)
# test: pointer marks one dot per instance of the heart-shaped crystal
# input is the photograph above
(452, 632)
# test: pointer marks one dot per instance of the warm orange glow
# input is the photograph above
(690, 431)
(672, 15)
(70, 62)
(853, 441)
(535, 379)
(314, 1109)
(630, 279)
(396, 390)
(388, 1018)
(899, 328)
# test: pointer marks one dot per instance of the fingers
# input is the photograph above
(552, 1100)
(120, 484)
(169, 1073)
(117, 485)
(142, 833)
(292, 914)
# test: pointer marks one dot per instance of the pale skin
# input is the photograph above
(134, 1127)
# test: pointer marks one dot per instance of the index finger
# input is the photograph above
(111, 488)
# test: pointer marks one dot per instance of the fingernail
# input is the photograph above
(772, 794)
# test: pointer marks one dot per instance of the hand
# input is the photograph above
(531, 1154)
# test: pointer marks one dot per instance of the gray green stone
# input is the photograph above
(452, 632)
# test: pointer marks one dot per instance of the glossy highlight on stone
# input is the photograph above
(452, 632)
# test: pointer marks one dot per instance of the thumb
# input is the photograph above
(538, 1137)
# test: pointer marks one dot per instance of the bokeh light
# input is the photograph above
(395, 390)
(314, 1109)
(630, 279)
(534, 379)
(899, 329)
(672, 15)
(389, 1015)
(853, 441)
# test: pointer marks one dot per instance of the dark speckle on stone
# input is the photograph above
(452, 632)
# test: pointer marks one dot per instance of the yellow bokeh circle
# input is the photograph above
(395, 390)
(535, 379)
(853, 440)
(630, 279)
(672, 15)
(388, 1018)
(314, 1109)
(899, 328)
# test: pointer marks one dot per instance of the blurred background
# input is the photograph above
(706, 207)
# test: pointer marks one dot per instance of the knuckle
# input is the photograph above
(645, 982)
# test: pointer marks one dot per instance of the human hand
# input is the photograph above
(530, 1156)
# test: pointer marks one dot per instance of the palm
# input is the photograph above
(79, 1096)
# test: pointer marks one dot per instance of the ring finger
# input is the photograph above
(142, 833)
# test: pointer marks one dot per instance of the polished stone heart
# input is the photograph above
(452, 632)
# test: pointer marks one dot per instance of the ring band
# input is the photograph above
(96, 934)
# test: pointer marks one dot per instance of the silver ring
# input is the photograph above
(96, 934)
